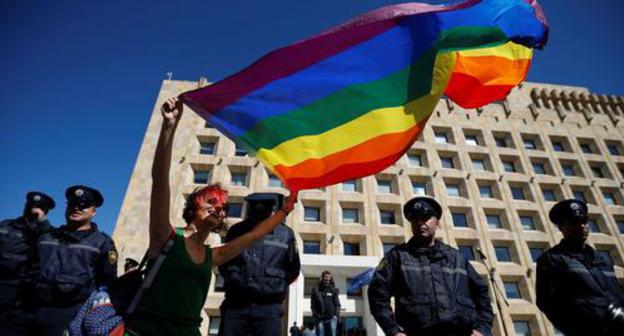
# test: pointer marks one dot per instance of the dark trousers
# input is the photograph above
(251, 320)
(44, 321)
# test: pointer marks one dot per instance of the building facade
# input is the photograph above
(496, 171)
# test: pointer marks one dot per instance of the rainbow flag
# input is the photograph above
(349, 102)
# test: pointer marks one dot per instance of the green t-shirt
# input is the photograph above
(173, 304)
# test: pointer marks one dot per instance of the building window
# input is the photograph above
(207, 148)
(384, 186)
(509, 166)
(549, 195)
(486, 191)
(538, 168)
(235, 210)
(441, 138)
(597, 171)
(387, 217)
(311, 214)
(530, 144)
(586, 148)
(240, 151)
(613, 149)
(447, 162)
(213, 325)
(494, 221)
(352, 249)
(522, 328)
(517, 193)
(502, 253)
(387, 247)
(593, 226)
(501, 141)
(558, 146)
(459, 219)
(512, 290)
(568, 170)
(478, 164)
(308, 285)
(239, 179)
(275, 182)
(311, 247)
(609, 198)
(467, 251)
(349, 186)
(414, 160)
(350, 215)
(579, 196)
(419, 188)
(527, 223)
(536, 252)
(472, 140)
(201, 177)
(453, 190)
(620, 224)
(605, 254)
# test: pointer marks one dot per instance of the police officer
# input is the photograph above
(73, 260)
(18, 240)
(256, 282)
(576, 287)
(436, 290)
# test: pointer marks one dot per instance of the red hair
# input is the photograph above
(212, 194)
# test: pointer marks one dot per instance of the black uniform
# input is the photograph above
(436, 291)
(18, 241)
(256, 282)
(576, 287)
(72, 263)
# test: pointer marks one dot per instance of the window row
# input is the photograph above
(512, 164)
(531, 141)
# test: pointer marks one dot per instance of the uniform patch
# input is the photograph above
(112, 257)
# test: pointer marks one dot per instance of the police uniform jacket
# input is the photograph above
(436, 291)
(18, 240)
(73, 264)
(262, 272)
(574, 288)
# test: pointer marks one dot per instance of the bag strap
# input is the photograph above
(151, 274)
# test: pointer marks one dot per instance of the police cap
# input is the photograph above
(37, 199)
(83, 196)
(568, 209)
(422, 207)
(276, 199)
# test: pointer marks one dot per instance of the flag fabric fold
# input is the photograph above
(349, 102)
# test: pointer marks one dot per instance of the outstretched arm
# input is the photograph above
(226, 252)
(159, 222)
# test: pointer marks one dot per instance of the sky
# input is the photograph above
(79, 79)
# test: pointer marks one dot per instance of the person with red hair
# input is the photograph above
(173, 304)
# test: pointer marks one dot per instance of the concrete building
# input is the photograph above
(496, 171)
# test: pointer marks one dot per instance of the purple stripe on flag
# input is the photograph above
(285, 61)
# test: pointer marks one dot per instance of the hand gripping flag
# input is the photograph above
(349, 102)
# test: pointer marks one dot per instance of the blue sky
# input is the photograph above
(79, 78)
